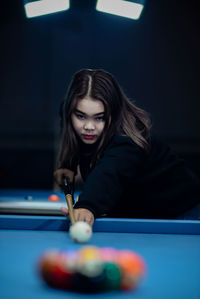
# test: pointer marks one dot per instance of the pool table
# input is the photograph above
(171, 249)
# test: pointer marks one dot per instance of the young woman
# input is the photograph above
(127, 172)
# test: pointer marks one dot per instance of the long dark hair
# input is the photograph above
(126, 118)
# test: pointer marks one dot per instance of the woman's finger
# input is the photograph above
(78, 216)
(91, 221)
(65, 211)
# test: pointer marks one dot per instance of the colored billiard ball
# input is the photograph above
(109, 254)
(132, 267)
(47, 265)
(88, 253)
(112, 276)
(56, 270)
(53, 197)
(90, 277)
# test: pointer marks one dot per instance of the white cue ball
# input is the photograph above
(80, 231)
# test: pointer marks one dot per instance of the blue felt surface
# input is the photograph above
(173, 263)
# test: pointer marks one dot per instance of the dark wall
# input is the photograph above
(155, 59)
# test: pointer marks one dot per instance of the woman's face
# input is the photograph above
(88, 119)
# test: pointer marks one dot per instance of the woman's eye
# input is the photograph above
(100, 118)
(80, 116)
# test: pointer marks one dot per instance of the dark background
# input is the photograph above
(155, 59)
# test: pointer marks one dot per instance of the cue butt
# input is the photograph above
(70, 207)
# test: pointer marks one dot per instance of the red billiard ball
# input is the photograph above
(56, 270)
(53, 197)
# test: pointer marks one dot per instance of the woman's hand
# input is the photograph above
(59, 173)
(80, 215)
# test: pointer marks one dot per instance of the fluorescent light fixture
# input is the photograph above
(121, 8)
(43, 7)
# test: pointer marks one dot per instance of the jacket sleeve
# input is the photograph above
(106, 183)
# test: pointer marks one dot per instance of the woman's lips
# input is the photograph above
(89, 137)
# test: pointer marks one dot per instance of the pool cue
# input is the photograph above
(69, 199)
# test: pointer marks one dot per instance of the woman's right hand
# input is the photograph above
(60, 173)
(80, 215)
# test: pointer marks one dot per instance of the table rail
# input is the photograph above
(60, 223)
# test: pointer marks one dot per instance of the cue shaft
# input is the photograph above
(70, 207)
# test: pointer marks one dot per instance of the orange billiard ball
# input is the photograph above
(53, 197)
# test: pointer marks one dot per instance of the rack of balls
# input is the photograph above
(92, 269)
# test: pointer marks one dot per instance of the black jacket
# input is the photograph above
(127, 182)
